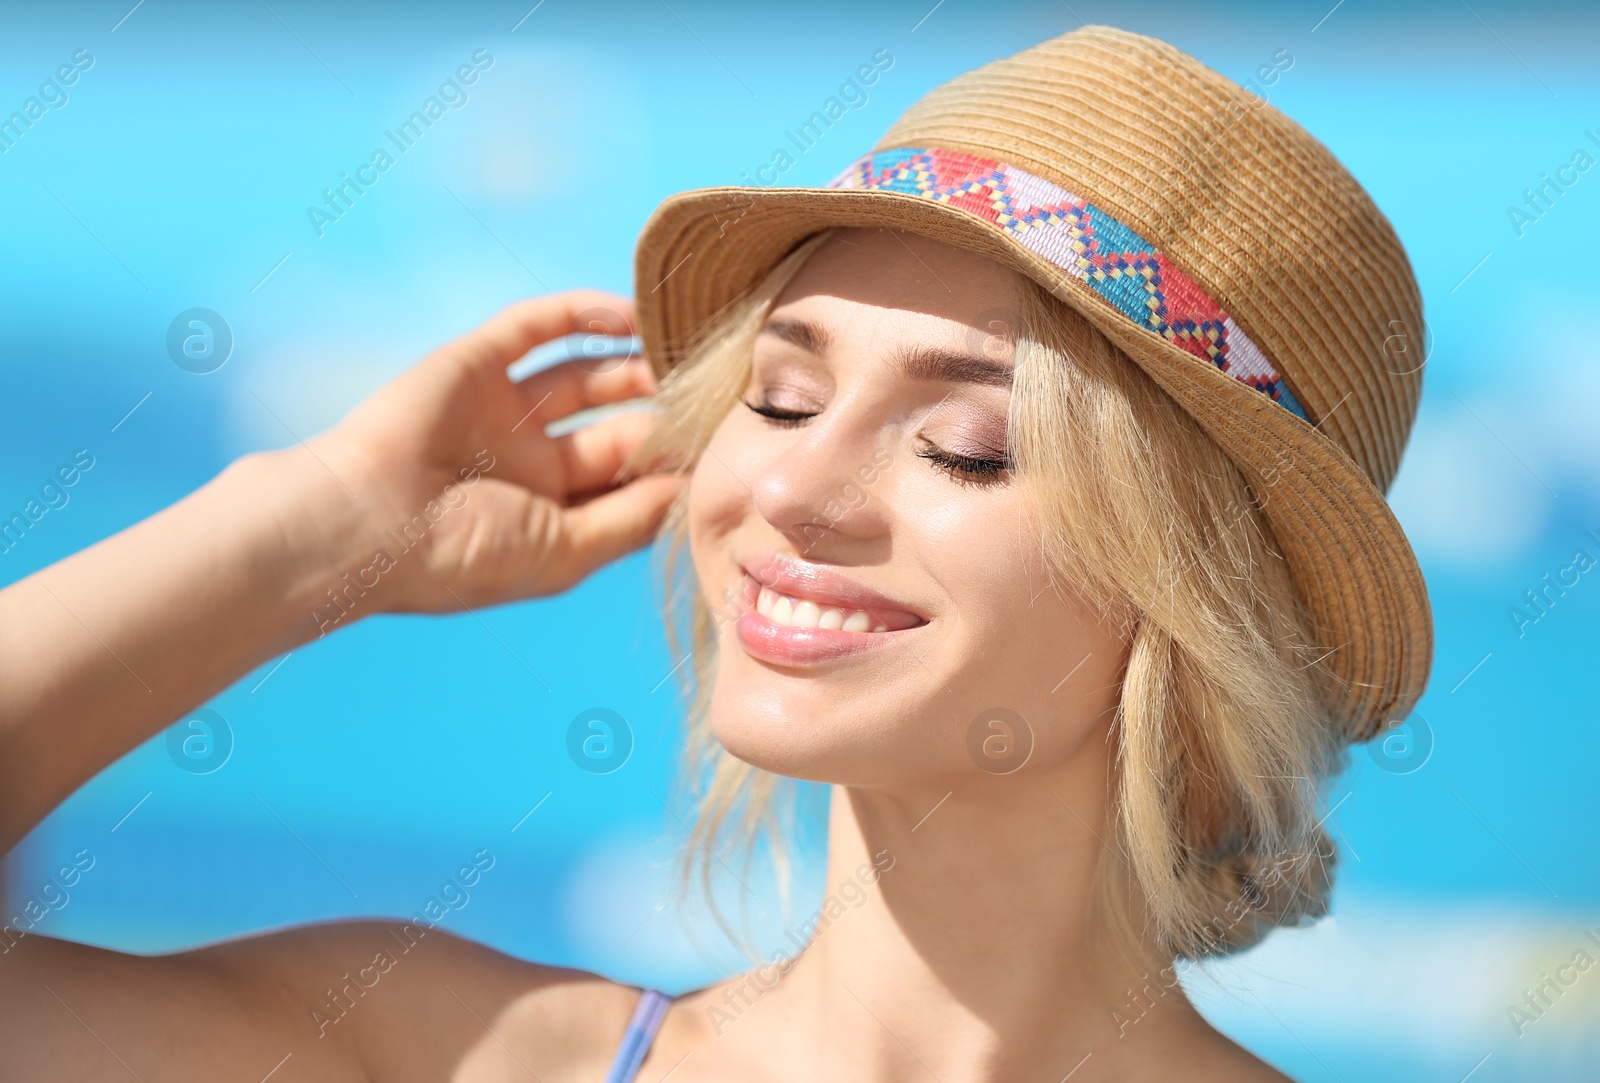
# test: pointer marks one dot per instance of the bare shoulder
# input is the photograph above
(368, 1000)
(424, 1004)
(1222, 1059)
(1187, 1046)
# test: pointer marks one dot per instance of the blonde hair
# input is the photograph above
(1221, 736)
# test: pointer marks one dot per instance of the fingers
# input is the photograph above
(518, 328)
(571, 386)
(559, 392)
(592, 456)
(615, 524)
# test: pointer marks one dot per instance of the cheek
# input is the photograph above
(710, 504)
(975, 546)
(1013, 638)
(719, 503)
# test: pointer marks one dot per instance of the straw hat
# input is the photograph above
(1211, 238)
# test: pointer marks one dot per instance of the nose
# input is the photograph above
(824, 488)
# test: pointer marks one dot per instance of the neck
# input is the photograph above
(960, 934)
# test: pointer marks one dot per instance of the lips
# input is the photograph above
(803, 613)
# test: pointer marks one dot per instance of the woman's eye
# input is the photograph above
(778, 415)
(966, 470)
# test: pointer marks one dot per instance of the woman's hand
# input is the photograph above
(461, 499)
(441, 491)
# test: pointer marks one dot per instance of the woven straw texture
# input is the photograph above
(1254, 209)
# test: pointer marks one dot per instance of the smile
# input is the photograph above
(802, 613)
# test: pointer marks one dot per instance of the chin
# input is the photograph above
(838, 728)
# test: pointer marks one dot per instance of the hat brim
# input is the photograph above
(1356, 574)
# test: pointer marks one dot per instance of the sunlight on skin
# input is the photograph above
(970, 941)
(977, 948)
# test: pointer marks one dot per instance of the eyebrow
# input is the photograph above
(951, 366)
(914, 363)
(808, 336)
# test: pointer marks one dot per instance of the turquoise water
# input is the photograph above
(177, 171)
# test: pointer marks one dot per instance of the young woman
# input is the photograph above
(1028, 481)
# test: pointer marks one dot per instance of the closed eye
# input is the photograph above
(779, 416)
(965, 470)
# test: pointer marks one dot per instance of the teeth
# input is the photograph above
(803, 613)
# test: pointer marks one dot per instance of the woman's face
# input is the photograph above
(864, 483)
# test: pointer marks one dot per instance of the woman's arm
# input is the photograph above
(349, 1000)
(441, 491)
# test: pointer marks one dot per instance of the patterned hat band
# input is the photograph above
(1086, 243)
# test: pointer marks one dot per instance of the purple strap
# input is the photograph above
(641, 1032)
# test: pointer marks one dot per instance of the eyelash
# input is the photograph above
(962, 469)
(784, 419)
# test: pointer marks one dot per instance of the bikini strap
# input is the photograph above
(641, 1032)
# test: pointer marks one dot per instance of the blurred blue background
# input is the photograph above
(367, 766)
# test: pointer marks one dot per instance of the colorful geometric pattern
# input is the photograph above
(1085, 242)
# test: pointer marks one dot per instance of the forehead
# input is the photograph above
(902, 272)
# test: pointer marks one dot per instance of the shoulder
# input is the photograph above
(1183, 1043)
(419, 1003)
(1219, 1058)
(348, 1000)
